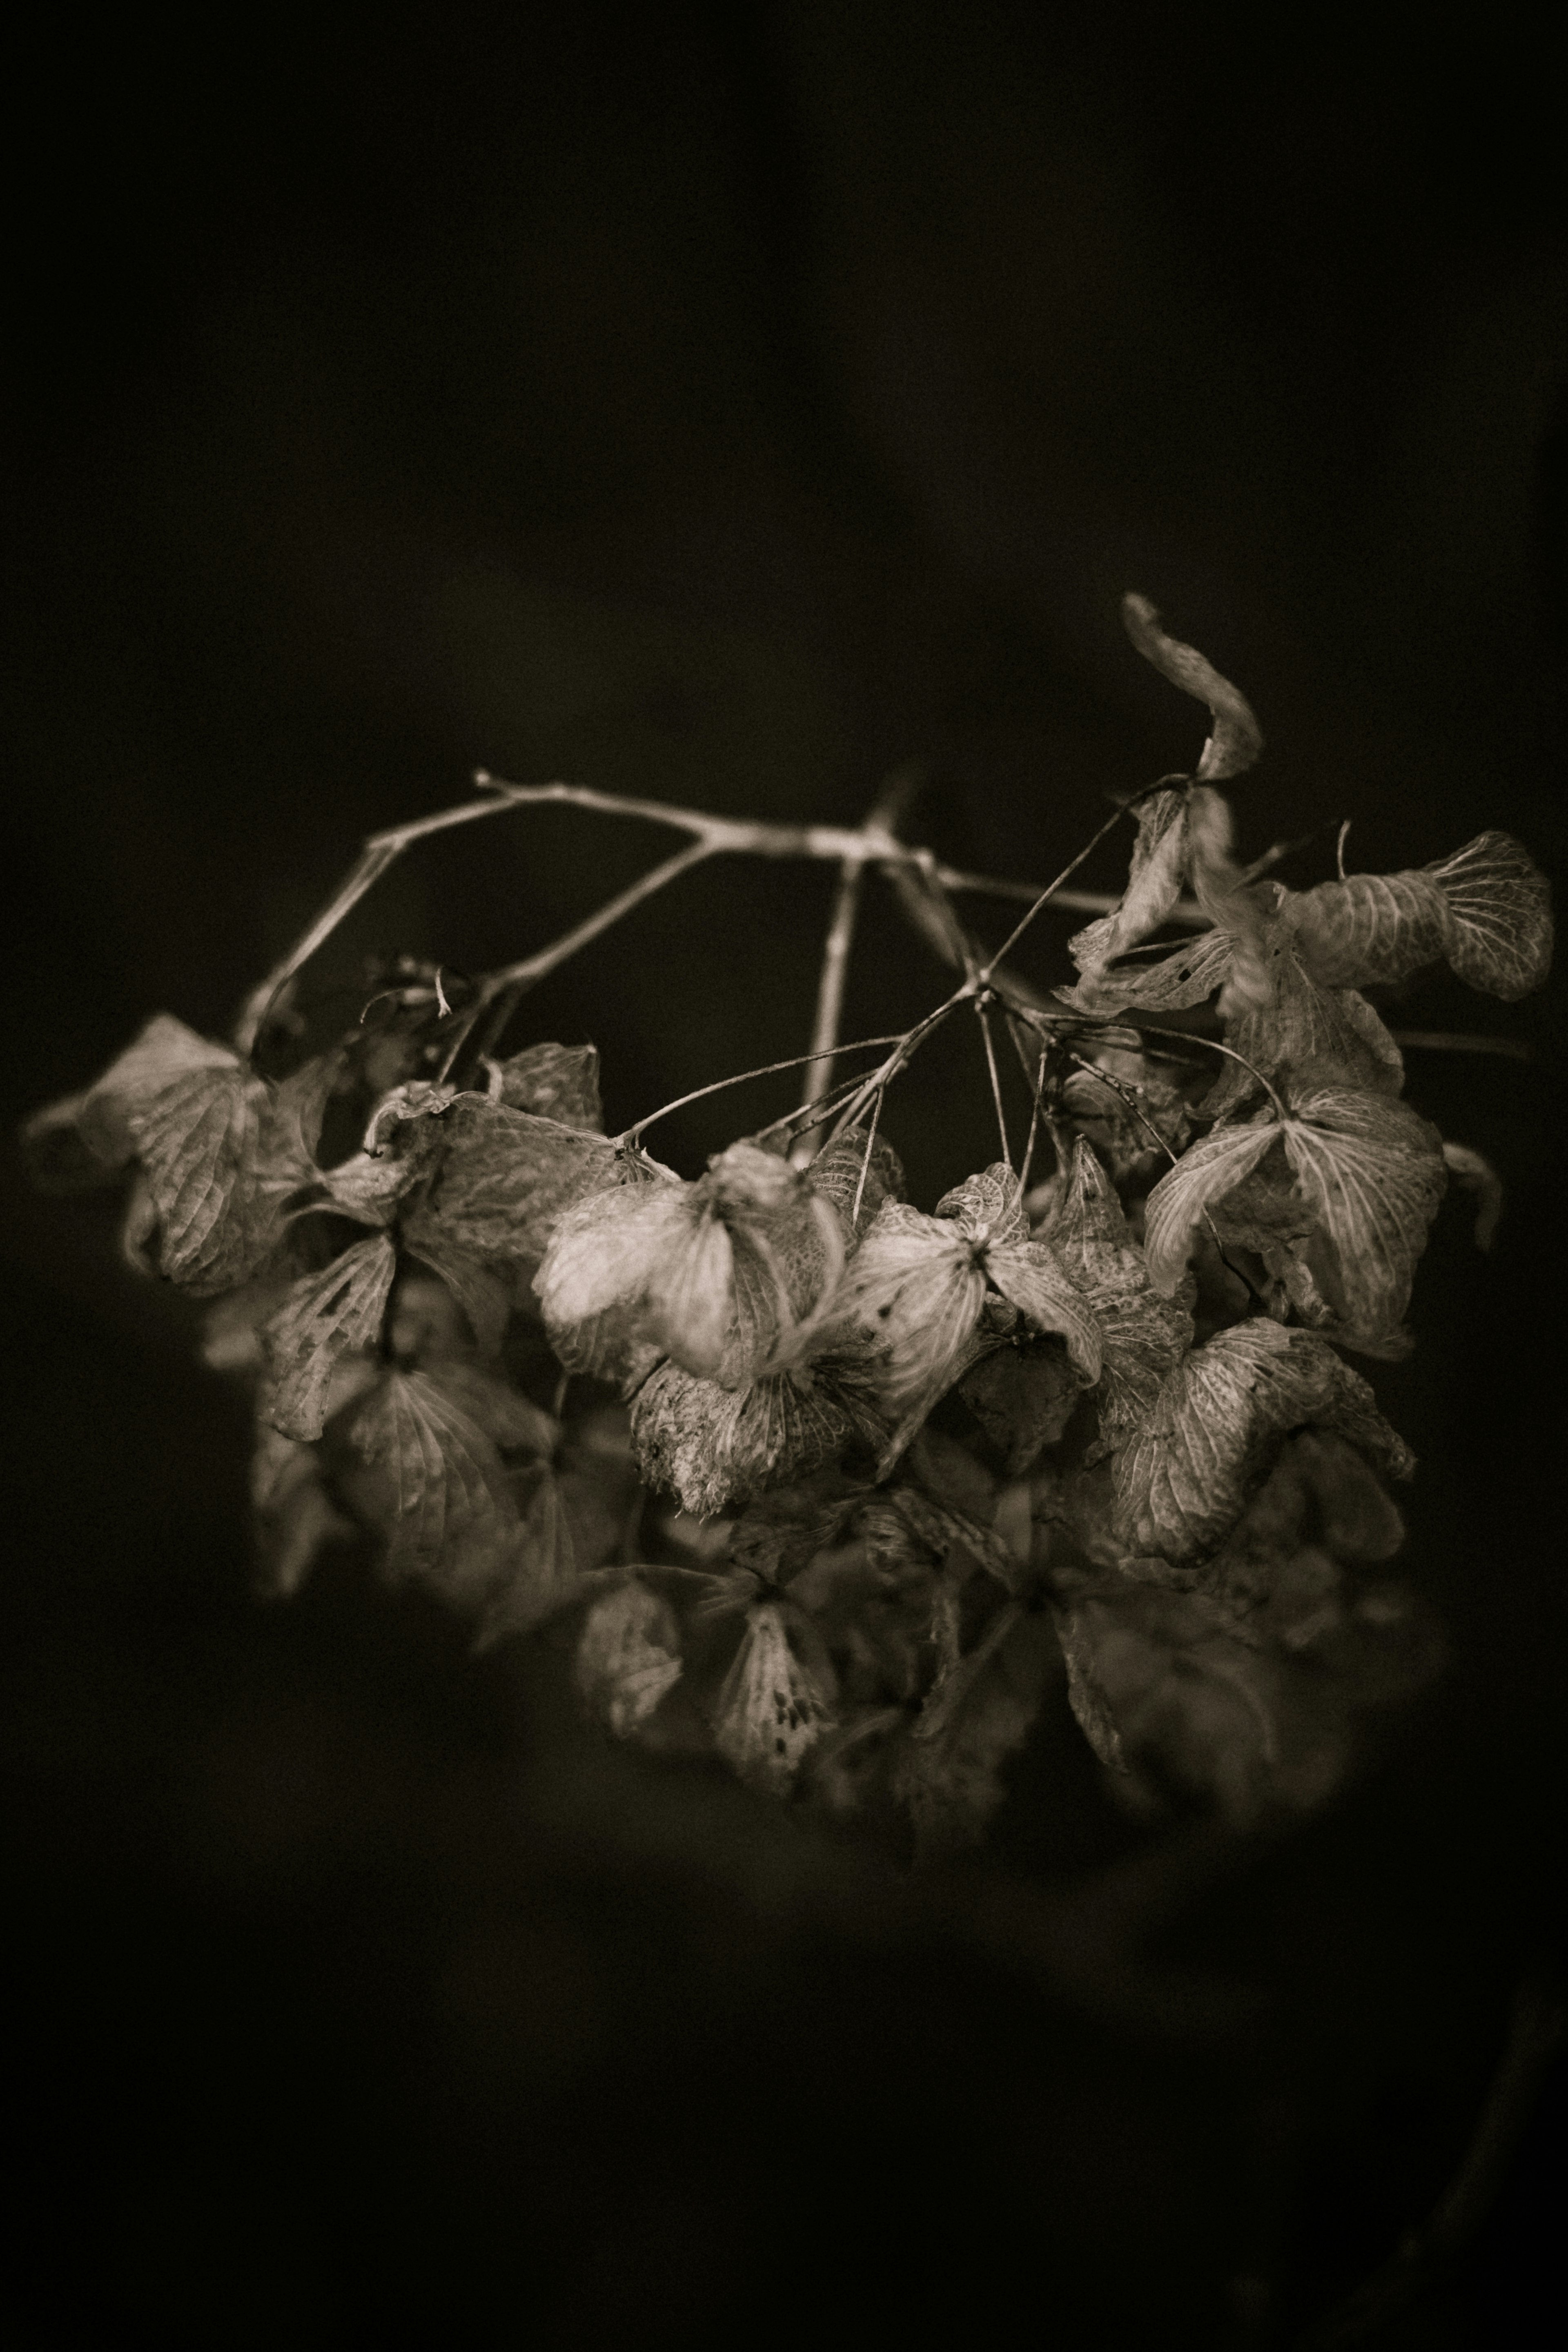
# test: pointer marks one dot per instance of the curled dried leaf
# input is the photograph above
(1201, 1178)
(1142, 1335)
(426, 1477)
(1153, 886)
(1236, 738)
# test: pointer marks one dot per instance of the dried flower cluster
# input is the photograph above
(824, 1482)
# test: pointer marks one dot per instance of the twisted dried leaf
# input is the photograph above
(323, 1318)
(1188, 975)
(1368, 928)
(1236, 738)
(1157, 867)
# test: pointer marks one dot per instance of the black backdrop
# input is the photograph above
(725, 406)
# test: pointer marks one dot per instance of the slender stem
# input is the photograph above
(767, 1069)
(980, 1007)
(525, 973)
(1439, 1042)
(865, 1162)
(901, 1054)
(1019, 927)
(1212, 1045)
(830, 988)
(1036, 1080)
(1128, 1096)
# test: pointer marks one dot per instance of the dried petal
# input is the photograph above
(295, 1515)
(1368, 928)
(629, 1656)
(836, 1173)
(772, 1709)
(719, 1447)
(1204, 1175)
(1033, 1278)
(560, 1082)
(1500, 915)
(594, 1279)
(505, 1179)
(914, 1290)
(324, 1318)
(988, 1207)
(431, 1483)
(1188, 975)
(1185, 1477)
(1373, 1171)
(1142, 1335)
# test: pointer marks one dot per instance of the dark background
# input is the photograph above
(727, 406)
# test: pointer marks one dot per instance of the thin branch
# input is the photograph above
(865, 1162)
(1019, 927)
(529, 969)
(980, 1007)
(1440, 1042)
(830, 992)
(767, 1069)
(1038, 1089)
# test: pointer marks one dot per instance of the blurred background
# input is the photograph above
(729, 406)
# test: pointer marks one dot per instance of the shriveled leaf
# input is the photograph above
(560, 1082)
(988, 1207)
(836, 1173)
(1153, 885)
(325, 1317)
(1203, 1176)
(1481, 1181)
(1183, 1478)
(432, 1483)
(163, 1052)
(629, 1656)
(772, 1709)
(1372, 1169)
(1142, 1335)
(1500, 915)
(1188, 975)
(719, 1447)
(1023, 1395)
(1236, 738)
